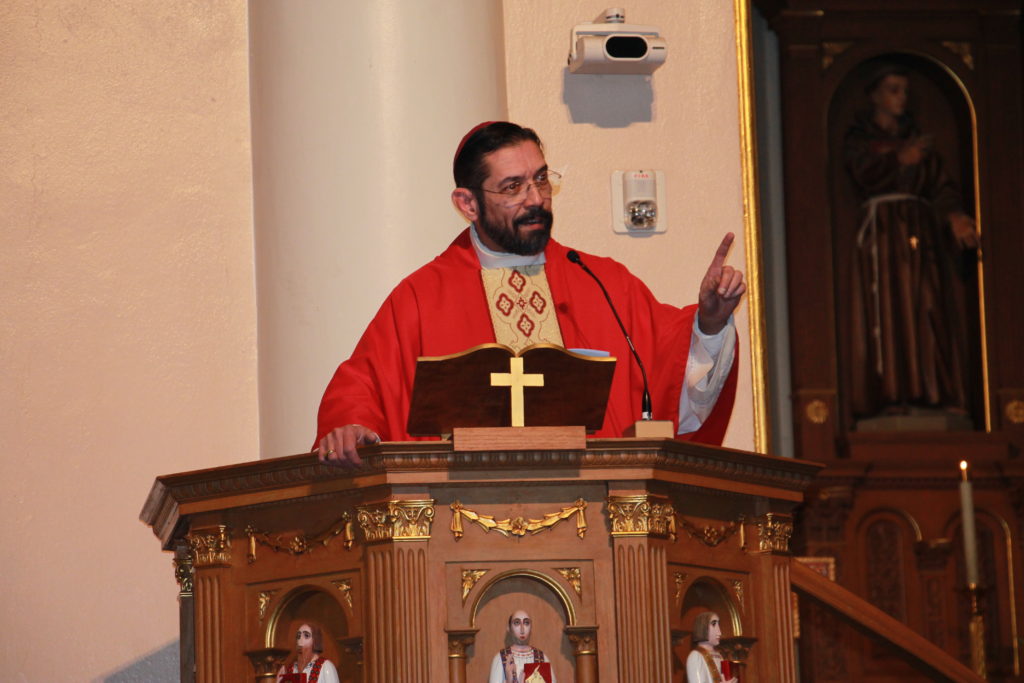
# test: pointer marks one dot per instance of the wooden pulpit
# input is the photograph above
(413, 562)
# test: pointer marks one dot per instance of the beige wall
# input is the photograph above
(683, 120)
(127, 333)
(128, 326)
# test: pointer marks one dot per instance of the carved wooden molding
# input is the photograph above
(300, 544)
(583, 639)
(459, 641)
(519, 526)
(267, 661)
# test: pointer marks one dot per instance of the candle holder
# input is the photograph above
(976, 629)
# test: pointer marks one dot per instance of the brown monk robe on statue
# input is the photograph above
(908, 323)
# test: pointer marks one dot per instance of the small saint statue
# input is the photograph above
(509, 665)
(705, 663)
(308, 665)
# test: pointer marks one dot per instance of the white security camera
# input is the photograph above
(611, 46)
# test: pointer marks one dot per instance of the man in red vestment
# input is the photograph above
(504, 188)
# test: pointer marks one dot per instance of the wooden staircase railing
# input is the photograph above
(918, 649)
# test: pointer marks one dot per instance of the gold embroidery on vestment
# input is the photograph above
(521, 308)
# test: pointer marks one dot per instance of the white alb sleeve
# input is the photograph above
(707, 367)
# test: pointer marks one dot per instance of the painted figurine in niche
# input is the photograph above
(908, 324)
(509, 665)
(705, 663)
(308, 665)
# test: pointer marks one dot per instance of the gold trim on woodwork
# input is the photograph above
(817, 411)
(737, 588)
(574, 577)
(1014, 411)
(519, 526)
(345, 587)
(469, 579)
(752, 225)
(396, 520)
(583, 639)
(301, 544)
(263, 599)
(459, 641)
(563, 595)
(710, 536)
(183, 570)
(680, 580)
(830, 50)
(210, 546)
(642, 515)
(774, 531)
(961, 50)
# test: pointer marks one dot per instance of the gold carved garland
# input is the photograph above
(301, 543)
(519, 526)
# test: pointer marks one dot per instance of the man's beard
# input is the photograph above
(514, 241)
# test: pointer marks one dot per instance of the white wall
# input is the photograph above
(683, 120)
(127, 332)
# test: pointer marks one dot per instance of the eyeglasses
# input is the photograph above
(546, 182)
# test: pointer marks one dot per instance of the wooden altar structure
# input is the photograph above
(413, 562)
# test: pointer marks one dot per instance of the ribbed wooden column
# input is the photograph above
(773, 590)
(210, 550)
(638, 523)
(397, 613)
(397, 645)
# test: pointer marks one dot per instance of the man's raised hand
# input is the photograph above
(720, 290)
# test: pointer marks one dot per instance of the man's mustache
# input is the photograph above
(532, 214)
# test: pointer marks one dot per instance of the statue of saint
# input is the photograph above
(308, 662)
(507, 666)
(704, 665)
(908, 325)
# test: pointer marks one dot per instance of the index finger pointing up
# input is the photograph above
(723, 250)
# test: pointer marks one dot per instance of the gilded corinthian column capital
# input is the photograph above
(774, 531)
(210, 546)
(642, 515)
(396, 520)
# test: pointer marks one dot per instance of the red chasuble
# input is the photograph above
(441, 309)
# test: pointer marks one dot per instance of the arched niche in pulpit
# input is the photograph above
(308, 604)
(707, 594)
(544, 598)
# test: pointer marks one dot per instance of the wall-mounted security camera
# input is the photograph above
(611, 46)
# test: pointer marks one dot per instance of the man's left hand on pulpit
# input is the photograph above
(339, 446)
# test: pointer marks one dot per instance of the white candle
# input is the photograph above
(967, 521)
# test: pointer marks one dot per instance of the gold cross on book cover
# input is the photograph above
(493, 386)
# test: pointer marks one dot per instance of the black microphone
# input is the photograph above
(646, 412)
